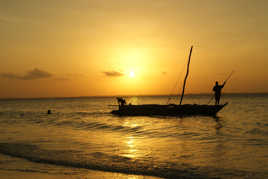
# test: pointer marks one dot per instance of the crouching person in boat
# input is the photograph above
(217, 92)
(121, 102)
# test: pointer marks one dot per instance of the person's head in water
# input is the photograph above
(217, 83)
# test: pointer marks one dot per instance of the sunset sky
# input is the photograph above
(63, 48)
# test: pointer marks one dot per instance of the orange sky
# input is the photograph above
(88, 48)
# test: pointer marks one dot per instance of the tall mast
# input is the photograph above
(184, 83)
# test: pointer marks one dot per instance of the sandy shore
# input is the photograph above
(14, 168)
(90, 175)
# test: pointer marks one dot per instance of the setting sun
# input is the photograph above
(132, 74)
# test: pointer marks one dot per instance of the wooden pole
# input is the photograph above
(229, 77)
(184, 83)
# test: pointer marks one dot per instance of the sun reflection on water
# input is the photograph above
(131, 147)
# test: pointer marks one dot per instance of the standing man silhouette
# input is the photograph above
(217, 90)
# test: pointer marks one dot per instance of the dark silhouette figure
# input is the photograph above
(49, 111)
(217, 90)
(121, 101)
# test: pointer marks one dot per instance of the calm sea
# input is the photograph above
(81, 134)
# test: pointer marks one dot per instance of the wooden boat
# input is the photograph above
(170, 109)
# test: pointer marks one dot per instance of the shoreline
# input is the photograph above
(92, 174)
(15, 167)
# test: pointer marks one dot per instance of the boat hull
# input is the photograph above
(168, 110)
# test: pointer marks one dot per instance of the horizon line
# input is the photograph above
(125, 95)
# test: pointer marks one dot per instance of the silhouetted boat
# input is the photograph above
(170, 109)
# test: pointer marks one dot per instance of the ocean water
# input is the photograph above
(81, 134)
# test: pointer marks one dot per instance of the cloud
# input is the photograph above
(113, 73)
(164, 73)
(30, 75)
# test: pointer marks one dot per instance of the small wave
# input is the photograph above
(72, 119)
(104, 126)
(258, 131)
(91, 113)
(25, 170)
(96, 161)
